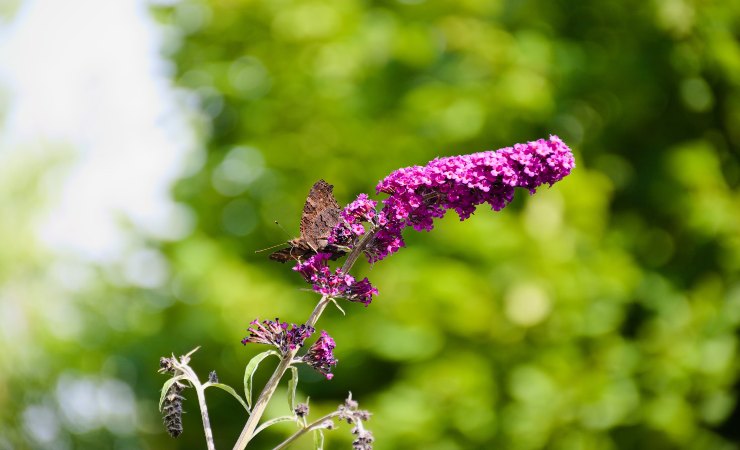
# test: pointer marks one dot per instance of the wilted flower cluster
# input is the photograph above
(418, 195)
(350, 413)
(301, 410)
(283, 336)
(334, 284)
(364, 440)
(171, 407)
(320, 355)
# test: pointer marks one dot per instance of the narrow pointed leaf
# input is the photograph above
(231, 391)
(249, 373)
(338, 307)
(273, 422)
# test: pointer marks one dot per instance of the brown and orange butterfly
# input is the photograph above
(320, 214)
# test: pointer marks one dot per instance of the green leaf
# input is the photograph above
(338, 307)
(230, 390)
(292, 384)
(166, 387)
(249, 373)
(273, 422)
(318, 439)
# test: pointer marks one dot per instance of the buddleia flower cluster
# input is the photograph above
(419, 194)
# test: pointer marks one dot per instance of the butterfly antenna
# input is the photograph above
(276, 245)
(270, 248)
(281, 227)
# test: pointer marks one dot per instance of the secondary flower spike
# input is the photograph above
(283, 336)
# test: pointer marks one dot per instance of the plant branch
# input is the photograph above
(357, 250)
(269, 389)
(312, 426)
(317, 311)
(204, 416)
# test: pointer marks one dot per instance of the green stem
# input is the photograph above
(204, 416)
(190, 375)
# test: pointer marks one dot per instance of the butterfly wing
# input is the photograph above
(282, 255)
(294, 252)
(320, 214)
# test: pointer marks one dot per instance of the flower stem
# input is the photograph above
(313, 425)
(357, 250)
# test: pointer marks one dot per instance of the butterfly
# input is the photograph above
(320, 214)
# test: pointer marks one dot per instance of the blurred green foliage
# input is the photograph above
(602, 313)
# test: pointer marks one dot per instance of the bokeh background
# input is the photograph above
(147, 148)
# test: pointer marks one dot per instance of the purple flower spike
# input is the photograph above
(418, 195)
(279, 334)
(320, 355)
